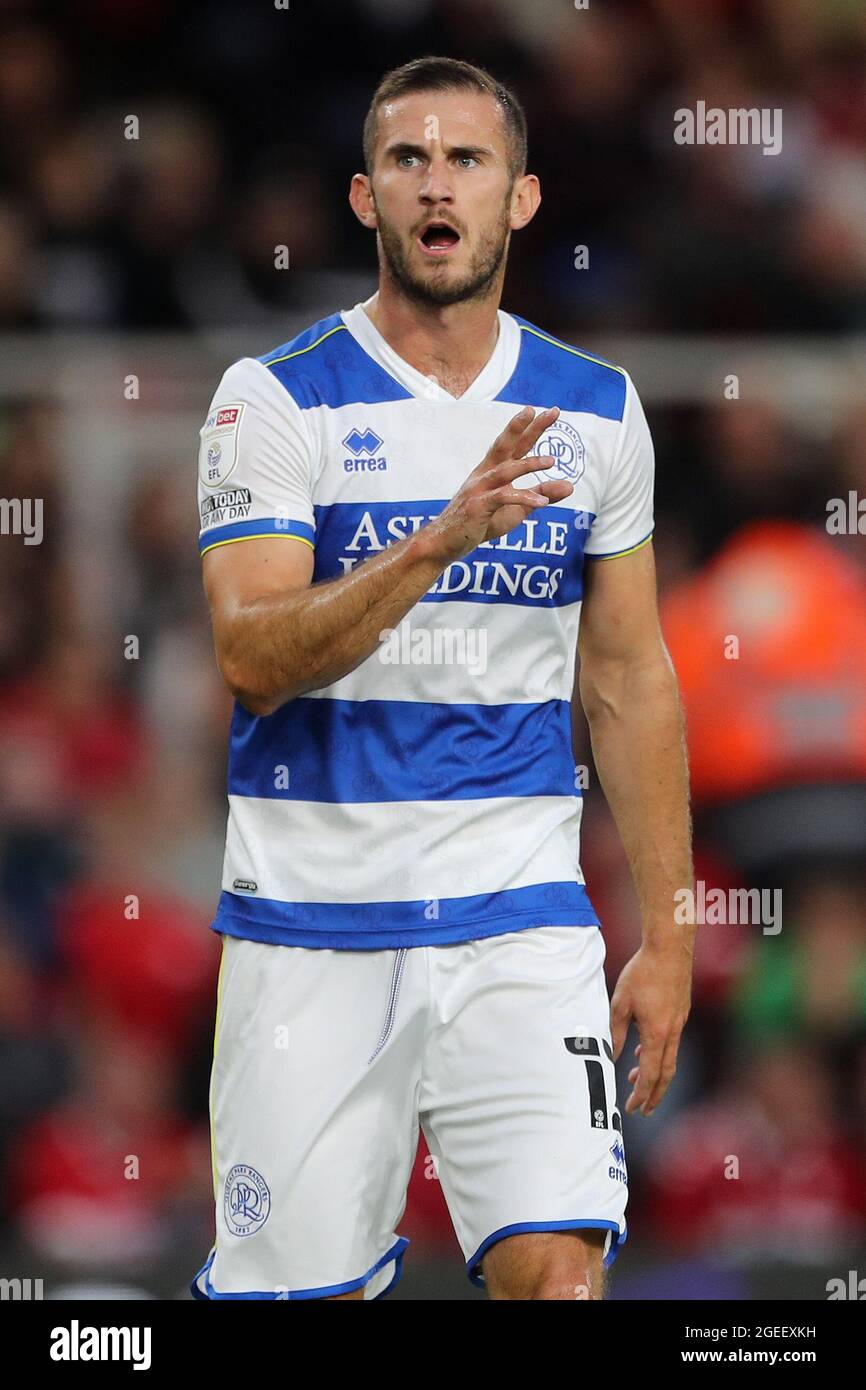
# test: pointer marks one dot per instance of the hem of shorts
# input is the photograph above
(521, 1227)
(230, 924)
(396, 1253)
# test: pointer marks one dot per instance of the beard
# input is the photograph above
(434, 289)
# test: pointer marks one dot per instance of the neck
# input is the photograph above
(456, 338)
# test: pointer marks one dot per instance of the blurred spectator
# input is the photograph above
(178, 226)
(139, 962)
(811, 980)
(94, 1183)
(774, 633)
(765, 1169)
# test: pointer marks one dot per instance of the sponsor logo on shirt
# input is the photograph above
(528, 565)
(218, 452)
(232, 505)
(363, 444)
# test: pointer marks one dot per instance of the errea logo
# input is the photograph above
(364, 445)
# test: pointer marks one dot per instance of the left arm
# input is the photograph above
(631, 698)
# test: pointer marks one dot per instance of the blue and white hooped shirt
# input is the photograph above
(430, 795)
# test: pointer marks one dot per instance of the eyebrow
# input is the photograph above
(401, 147)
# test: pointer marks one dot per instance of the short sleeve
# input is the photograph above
(625, 517)
(255, 462)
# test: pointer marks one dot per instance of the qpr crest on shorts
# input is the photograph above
(565, 444)
(247, 1200)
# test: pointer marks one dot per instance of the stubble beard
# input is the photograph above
(436, 291)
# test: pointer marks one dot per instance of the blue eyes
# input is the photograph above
(466, 161)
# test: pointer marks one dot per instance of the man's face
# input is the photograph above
(442, 191)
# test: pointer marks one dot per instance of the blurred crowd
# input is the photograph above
(152, 155)
(112, 758)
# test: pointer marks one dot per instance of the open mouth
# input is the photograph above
(438, 239)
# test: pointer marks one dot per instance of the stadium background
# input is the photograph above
(131, 272)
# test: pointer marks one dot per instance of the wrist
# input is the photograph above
(668, 935)
(430, 545)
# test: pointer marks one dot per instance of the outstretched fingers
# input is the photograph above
(522, 431)
(527, 497)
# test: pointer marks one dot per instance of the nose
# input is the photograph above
(436, 186)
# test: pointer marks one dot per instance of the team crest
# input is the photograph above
(565, 444)
(247, 1200)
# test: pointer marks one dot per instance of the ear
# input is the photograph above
(361, 200)
(525, 200)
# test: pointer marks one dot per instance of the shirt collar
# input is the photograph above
(486, 386)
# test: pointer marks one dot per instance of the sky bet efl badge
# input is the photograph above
(218, 452)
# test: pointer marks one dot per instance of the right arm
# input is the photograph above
(277, 635)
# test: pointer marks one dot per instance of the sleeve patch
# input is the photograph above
(221, 507)
(218, 452)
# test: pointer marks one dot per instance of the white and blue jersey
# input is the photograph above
(430, 795)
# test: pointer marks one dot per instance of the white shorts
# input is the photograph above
(326, 1062)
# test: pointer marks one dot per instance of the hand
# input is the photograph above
(487, 504)
(654, 988)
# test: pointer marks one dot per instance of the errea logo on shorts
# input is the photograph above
(218, 451)
(247, 1200)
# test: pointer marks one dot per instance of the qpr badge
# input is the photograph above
(565, 444)
(247, 1200)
